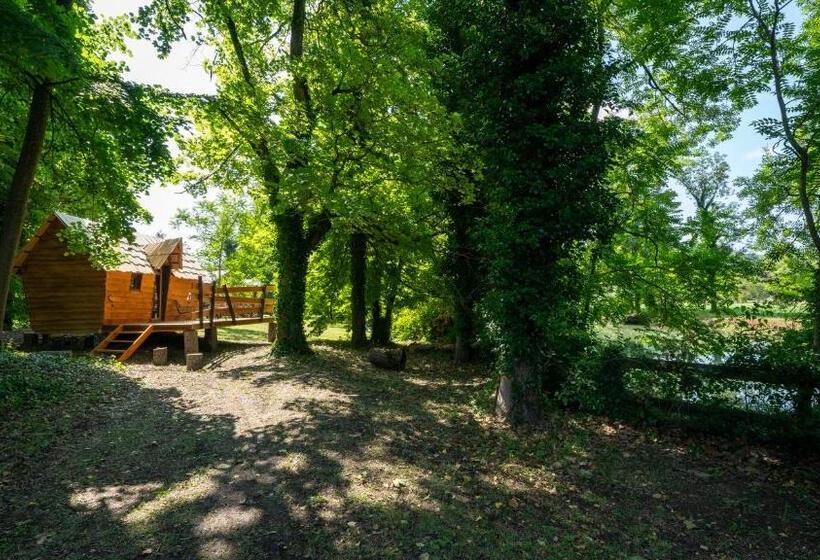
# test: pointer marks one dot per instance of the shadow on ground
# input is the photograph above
(326, 457)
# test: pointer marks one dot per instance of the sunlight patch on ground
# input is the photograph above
(217, 549)
(294, 463)
(227, 520)
(189, 491)
(117, 499)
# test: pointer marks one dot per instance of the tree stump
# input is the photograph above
(160, 357)
(194, 361)
(388, 358)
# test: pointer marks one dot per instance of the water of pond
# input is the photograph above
(746, 395)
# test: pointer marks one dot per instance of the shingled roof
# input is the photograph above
(145, 256)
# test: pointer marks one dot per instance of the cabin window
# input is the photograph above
(136, 281)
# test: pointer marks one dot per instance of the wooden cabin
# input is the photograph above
(155, 281)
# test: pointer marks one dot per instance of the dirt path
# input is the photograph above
(256, 457)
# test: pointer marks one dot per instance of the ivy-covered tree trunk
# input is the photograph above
(358, 284)
(543, 160)
(465, 279)
(376, 318)
(290, 307)
(519, 398)
(23, 179)
(805, 394)
(384, 289)
(296, 239)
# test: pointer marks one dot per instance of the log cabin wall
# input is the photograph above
(64, 292)
(124, 303)
(182, 299)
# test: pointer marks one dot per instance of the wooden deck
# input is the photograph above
(215, 308)
(192, 325)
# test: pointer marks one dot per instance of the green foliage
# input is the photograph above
(35, 380)
(218, 225)
(544, 154)
(107, 137)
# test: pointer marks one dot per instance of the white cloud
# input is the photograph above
(756, 155)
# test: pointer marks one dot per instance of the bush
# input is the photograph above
(30, 380)
(595, 383)
(421, 323)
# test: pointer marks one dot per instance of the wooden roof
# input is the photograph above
(145, 256)
(160, 252)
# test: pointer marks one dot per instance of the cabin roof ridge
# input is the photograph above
(145, 255)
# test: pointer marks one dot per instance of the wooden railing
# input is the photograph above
(214, 303)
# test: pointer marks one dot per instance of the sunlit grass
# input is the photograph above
(259, 333)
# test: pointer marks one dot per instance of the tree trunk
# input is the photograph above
(379, 328)
(385, 289)
(290, 307)
(15, 207)
(803, 403)
(464, 263)
(590, 281)
(519, 397)
(358, 283)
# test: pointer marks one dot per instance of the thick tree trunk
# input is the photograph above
(590, 282)
(385, 289)
(358, 280)
(803, 403)
(379, 326)
(15, 207)
(465, 278)
(290, 307)
(520, 395)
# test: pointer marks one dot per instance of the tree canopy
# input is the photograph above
(516, 178)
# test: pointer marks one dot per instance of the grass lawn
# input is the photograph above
(326, 457)
(259, 333)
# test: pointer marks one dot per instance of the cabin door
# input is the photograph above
(162, 282)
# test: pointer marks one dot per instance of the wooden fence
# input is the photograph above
(231, 303)
(804, 381)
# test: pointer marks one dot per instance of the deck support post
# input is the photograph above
(211, 339)
(191, 340)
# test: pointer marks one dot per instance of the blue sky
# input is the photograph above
(182, 71)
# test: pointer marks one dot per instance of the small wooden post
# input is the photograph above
(30, 340)
(191, 340)
(213, 304)
(228, 300)
(262, 304)
(200, 298)
(211, 339)
(271, 332)
(802, 402)
(194, 361)
(160, 357)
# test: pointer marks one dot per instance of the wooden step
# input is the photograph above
(120, 336)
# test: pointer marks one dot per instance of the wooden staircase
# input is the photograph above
(123, 341)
